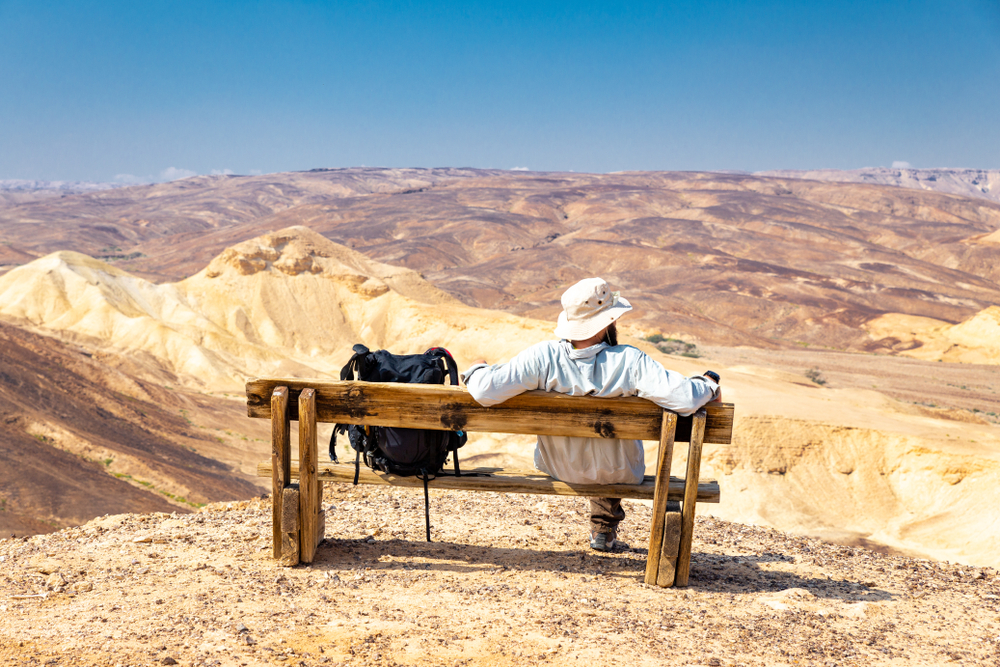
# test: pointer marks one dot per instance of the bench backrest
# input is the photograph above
(453, 408)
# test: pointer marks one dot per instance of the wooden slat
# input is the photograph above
(510, 481)
(290, 529)
(667, 571)
(452, 408)
(690, 498)
(280, 462)
(308, 461)
(665, 455)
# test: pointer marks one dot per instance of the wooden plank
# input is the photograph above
(290, 548)
(509, 481)
(280, 461)
(290, 511)
(667, 571)
(665, 455)
(289, 555)
(308, 460)
(690, 498)
(452, 408)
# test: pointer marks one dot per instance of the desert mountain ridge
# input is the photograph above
(957, 181)
(19, 191)
(726, 259)
(981, 183)
(36, 186)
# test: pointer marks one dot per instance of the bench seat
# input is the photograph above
(505, 480)
(298, 520)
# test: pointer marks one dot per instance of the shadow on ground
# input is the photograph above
(709, 572)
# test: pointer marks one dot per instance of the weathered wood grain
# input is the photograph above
(452, 408)
(509, 481)
(690, 498)
(290, 511)
(289, 549)
(280, 461)
(667, 571)
(289, 540)
(664, 457)
(308, 483)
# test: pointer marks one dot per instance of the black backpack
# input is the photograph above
(406, 452)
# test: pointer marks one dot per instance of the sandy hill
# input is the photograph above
(729, 259)
(974, 341)
(508, 581)
(287, 303)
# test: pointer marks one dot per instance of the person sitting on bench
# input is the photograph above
(587, 360)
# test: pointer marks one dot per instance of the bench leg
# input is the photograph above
(690, 497)
(280, 462)
(668, 425)
(308, 481)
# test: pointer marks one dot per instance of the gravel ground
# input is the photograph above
(507, 581)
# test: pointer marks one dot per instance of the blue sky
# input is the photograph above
(159, 89)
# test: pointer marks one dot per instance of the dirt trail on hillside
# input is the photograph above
(507, 581)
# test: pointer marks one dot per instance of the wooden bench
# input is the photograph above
(298, 520)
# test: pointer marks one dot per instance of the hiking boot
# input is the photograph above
(606, 541)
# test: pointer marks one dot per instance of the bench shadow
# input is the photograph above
(713, 573)
(401, 554)
(743, 574)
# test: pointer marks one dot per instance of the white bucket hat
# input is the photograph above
(588, 307)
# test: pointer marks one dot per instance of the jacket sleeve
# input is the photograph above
(669, 389)
(490, 385)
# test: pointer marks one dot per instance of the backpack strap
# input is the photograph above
(333, 441)
(448, 361)
(427, 505)
(355, 368)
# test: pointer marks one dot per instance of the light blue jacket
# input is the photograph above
(599, 370)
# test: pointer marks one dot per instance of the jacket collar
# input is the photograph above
(585, 352)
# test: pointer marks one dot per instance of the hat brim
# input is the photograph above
(584, 329)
